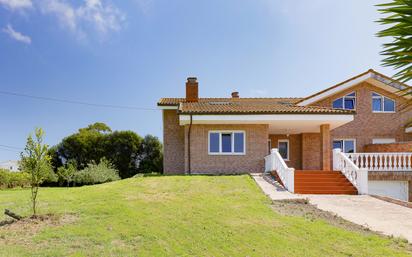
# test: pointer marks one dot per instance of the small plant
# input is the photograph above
(36, 162)
(66, 173)
(97, 173)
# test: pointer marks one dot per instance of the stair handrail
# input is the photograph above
(357, 176)
(274, 162)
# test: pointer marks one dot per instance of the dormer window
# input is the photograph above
(348, 102)
(382, 104)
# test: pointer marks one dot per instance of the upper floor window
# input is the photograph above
(382, 104)
(227, 142)
(347, 102)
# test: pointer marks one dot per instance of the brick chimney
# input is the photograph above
(192, 90)
(235, 94)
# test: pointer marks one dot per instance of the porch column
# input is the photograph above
(325, 147)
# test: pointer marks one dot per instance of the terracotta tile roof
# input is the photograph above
(176, 101)
(376, 75)
(247, 106)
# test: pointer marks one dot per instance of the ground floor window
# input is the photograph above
(346, 145)
(227, 142)
(283, 146)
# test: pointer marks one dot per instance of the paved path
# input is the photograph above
(273, 190)
(377, 215)
(387, 218)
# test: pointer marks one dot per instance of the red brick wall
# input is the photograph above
(253, 161)
(392, 147)
(366, 124)
(311, 151)
(295, 149)
(173, 143)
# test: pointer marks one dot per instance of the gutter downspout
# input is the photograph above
(188, 146)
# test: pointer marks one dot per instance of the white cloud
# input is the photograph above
(94, 14)
(16, 35)
(16, 4)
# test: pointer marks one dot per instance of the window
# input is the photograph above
(227, 142)
(347, 102)
(346, 145)
(283, 146)
(382, 104)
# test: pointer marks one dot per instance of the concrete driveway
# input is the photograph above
(377, 215)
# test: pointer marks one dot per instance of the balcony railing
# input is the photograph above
(382, 161)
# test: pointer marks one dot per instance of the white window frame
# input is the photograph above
(383, 140)
(232, 139)
(343, 143)
(343, 101)
(285, 141)
(382, 97)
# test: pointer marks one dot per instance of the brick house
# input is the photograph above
(235, 135)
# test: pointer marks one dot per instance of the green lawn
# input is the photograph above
(175, 216)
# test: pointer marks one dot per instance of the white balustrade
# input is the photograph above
(275, 162)
(382, 161)
(356, 175)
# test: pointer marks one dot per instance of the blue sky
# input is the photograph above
(133, 52)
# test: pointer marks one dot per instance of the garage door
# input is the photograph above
(394, 189)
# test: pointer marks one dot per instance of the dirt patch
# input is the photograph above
(302, 208)
(23, 230)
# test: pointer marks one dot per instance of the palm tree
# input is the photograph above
(399, 52)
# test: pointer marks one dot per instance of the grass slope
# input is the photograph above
(176, 216)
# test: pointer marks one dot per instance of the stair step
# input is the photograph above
(327, 192)
(314, 179)
(319, 175)
(322, 182)
(316, 172)
(324, 187)
(327, 183)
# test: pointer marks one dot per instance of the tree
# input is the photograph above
(123, 149)
(151, 159)
(84, 147)
(36, 161)
(126, 150)
(66, 173)
(398, 52)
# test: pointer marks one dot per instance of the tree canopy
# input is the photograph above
(126, 150)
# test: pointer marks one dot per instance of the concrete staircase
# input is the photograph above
(322, 182)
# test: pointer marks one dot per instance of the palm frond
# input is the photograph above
(398, 53)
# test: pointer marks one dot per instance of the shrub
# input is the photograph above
(10, 179)
(97, 173)
(66, 173)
